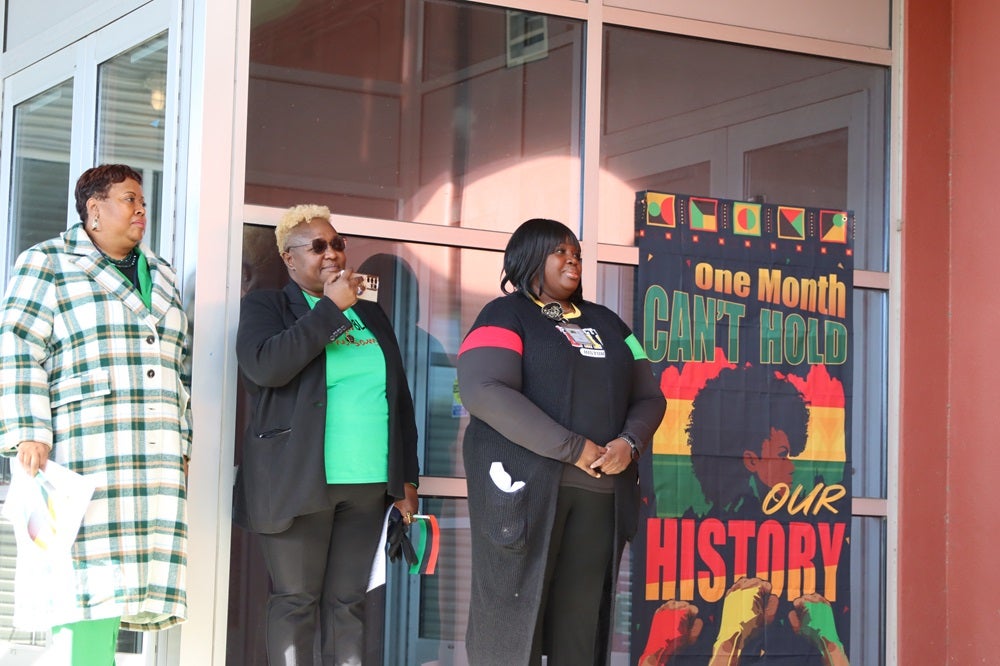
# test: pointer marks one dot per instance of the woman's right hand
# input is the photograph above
(591, 452)
(32, 456)
(343, 289)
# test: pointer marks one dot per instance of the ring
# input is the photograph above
(409, 517)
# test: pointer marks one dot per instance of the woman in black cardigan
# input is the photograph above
(332, 440)
(563, 401)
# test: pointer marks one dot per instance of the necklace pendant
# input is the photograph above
(553, 311)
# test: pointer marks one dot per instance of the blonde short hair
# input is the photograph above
(295, 216)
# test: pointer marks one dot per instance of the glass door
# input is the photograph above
(107, 98)
(131, 120)
(38, 122)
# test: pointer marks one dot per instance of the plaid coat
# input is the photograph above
(85, 367)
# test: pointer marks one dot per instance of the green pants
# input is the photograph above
(88, 643)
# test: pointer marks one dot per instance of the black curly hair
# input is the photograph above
(734, 413)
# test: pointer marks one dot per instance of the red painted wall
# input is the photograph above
(950, 423)
(923, 592)
(974, 418)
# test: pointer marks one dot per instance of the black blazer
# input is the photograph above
(280, 348)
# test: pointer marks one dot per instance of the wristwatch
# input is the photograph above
(631, 442)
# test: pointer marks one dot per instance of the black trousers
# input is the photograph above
(577, 579)
(319, 570)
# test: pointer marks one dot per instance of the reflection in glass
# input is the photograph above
(39, 202)
(616, 290)
(868, 555)
(8, 547)
(39, 197)
(698, 117)
(428, 614)
(131, 116)
(811, 171)
(428, 111)
(869, 411)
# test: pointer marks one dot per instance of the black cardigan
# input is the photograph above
(518, 389)
(280, 347)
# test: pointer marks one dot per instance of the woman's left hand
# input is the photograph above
(616, 459)
(408, 505)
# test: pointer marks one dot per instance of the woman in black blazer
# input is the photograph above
(332, 440)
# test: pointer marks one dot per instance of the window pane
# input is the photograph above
(432, 294)
(131, 117)
(8, 553)
(39, 203)
(811, 171)
(428, 614)
(40, 187)
(869, 436)
(868, 553)
(439, 112)
(723, 120)
(616, 290)
(621, 623)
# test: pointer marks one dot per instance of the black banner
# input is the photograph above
(743, 556)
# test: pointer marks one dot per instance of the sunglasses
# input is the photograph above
(319, 245)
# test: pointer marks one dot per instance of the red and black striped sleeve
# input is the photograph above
(489, 382)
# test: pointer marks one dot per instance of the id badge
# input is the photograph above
(587, 340)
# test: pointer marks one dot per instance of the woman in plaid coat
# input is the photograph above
(92, 336)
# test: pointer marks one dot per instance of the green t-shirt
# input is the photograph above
(356, 445)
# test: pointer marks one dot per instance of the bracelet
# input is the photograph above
(630, 440)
